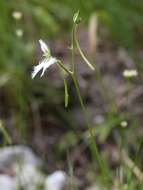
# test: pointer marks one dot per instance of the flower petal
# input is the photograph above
(47, 64)
(43, 45)
(37, 68)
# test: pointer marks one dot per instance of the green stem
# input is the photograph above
(80, 51)
(73, 48)
(92, 143)
(64, 67)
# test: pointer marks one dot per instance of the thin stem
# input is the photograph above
(73, 48)
(64, 67)
(92, 142)
(80, 51)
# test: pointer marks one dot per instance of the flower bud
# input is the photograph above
(76, 18)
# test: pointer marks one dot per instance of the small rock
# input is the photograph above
(21, 163)
(25, 169)
(7, 183)
(28, 177)
(13, 154)
(56, 181)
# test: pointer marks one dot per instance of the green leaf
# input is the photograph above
(5, 134)
(66, 93)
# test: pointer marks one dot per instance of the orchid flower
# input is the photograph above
(46, 62)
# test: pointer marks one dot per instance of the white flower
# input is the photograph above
(17, 15)
(19, 33)
(123, 123)
(46, 62)
(130, 73)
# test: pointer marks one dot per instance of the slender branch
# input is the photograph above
(80, 51)
(73, 48)
(64, 67)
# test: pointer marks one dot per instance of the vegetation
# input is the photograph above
(35, 108)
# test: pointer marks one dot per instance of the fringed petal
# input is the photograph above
(37, 68)
(47, 64)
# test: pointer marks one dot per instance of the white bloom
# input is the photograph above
(130, 73)
(46, 62)
(17, 15)
(19, 32)
(123, 123)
